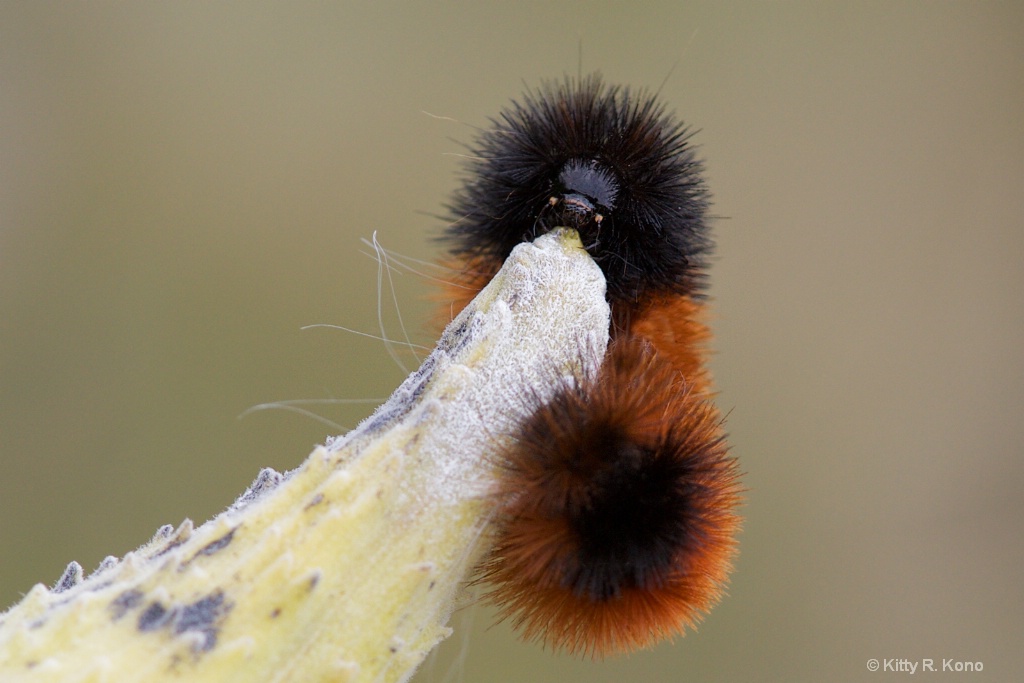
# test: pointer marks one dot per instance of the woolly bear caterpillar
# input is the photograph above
(616, 512)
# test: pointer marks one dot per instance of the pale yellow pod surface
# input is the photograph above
(347, 567)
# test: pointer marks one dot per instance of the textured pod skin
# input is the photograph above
(346, 568)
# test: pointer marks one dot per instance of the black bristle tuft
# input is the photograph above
(608, 161)
(615, 519)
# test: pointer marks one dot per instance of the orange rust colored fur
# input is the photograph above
(557, 474)
(675, 325)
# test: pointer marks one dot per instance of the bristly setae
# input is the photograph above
(616, 508)
(616, 519)
(602, 159)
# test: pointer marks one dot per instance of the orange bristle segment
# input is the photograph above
(676, 327)
(466, 279)
(615, 514)
(674, 324)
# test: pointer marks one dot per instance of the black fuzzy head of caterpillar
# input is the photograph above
(607, 161)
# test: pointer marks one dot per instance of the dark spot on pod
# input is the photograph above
(456, 337)
(202, 617)
(126, 601)
(108, 562)
(267, 480)
(154, 617)
(218, 545)
(181, 534)
(71, 577)
(409, 393)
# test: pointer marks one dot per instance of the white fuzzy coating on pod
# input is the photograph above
(346, 568)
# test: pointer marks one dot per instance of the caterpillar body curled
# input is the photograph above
(615, 512)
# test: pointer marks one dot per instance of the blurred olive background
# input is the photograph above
(185, 185)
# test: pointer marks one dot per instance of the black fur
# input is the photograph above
(603, 159)
(633, 506)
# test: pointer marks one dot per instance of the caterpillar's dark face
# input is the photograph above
(584, 193)
(604, 160)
